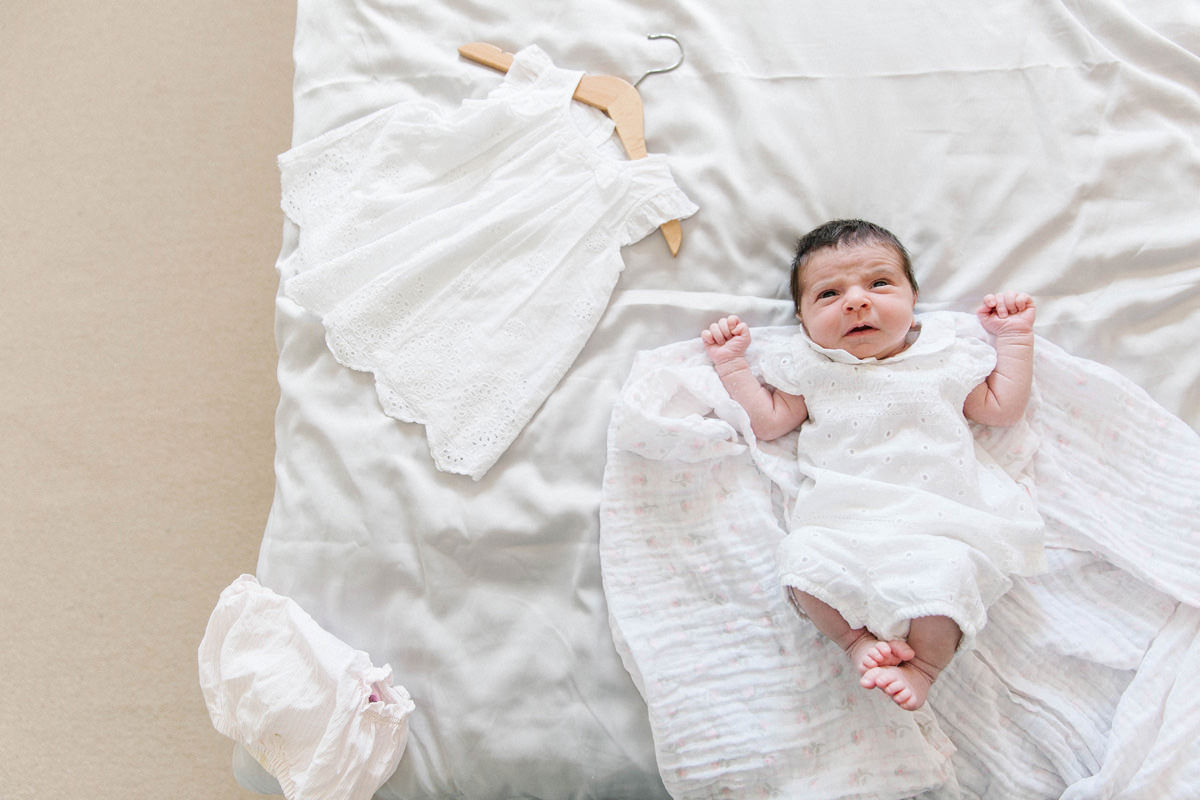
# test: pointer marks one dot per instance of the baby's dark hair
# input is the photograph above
(845, 232)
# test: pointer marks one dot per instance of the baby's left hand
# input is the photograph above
(1007, 313)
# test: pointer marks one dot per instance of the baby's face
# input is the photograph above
(857, 298)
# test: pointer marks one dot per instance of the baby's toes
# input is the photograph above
(899, 690)
(888, 654)
(879, 655)
(901, 650)
(869, 658)
(906, 699)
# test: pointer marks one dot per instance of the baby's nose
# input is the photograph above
(856, 299)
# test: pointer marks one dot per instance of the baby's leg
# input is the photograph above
(866, 652)
(933, 641)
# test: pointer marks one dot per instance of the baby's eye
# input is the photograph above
(826, 294)
(881, 282)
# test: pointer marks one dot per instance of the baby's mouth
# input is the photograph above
(860, 329)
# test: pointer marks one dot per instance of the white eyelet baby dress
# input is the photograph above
(901, 514)
(465, 256)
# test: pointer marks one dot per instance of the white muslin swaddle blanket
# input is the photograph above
(1080, 686)
(312, 710)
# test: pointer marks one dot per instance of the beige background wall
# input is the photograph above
(139, 225)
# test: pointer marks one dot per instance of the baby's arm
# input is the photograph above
(1001, 399)
(772, 412)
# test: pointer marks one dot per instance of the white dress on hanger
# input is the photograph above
(464, 256)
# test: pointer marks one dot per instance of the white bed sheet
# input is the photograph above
(1050, 147)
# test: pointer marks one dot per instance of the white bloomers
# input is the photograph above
(312, 710)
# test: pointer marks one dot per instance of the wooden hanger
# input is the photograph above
(615, 97)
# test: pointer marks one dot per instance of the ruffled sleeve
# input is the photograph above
(534, 84)
(955, 340)
(785, 360)
(973, 359)
(655, 199)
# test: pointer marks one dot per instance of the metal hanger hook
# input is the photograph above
(663, 69)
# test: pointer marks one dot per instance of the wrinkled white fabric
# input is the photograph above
(1023, 145)
(899, 513)
(464, 256)
(1077, 684)
(298, 699)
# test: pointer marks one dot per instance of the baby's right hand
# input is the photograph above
(726, 339)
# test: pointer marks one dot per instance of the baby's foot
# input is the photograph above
(891, 653)
(867, 652)
(860, 644)
(907, 684)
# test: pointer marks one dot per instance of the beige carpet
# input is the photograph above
(139, 225)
